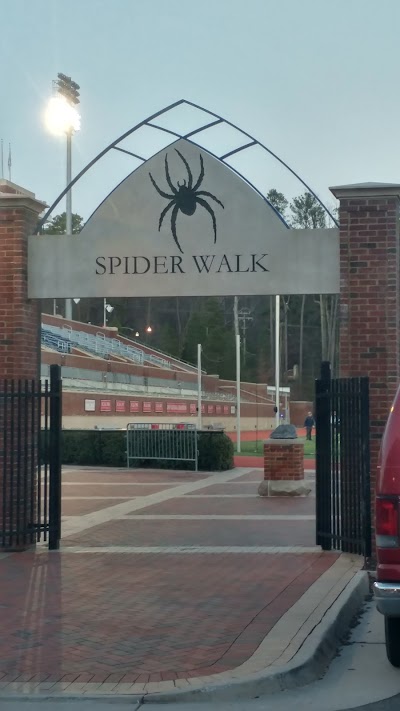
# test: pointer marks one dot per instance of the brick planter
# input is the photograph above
(283, 469)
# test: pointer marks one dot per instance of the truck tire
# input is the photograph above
(392, 639)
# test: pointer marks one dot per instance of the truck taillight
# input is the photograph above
(387, 522)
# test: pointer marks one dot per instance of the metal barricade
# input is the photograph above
(168, 441)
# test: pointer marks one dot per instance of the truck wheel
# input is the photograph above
(392, 638)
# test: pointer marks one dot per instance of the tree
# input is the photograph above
(307, 212)
(278, 201)
(57, 224)
(207, 326)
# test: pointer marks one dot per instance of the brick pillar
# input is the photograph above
(19, 353)
(369, 296)
(283, 469)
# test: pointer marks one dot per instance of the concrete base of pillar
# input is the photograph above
(283, 487)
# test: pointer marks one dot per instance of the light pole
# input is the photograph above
(63, 117)
(107, 309)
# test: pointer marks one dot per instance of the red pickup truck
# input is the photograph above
(387, 527)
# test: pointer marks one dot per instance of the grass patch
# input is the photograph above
(256, 449)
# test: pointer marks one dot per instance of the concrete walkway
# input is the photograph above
(166, 581)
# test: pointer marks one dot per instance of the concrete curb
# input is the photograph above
(307, 665)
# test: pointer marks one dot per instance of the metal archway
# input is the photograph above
(216, 120)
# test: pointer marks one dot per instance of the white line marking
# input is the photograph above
(120, 483)
(217, 517)
(77, 524)
(191, 549)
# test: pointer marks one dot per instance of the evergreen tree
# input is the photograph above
(57, 224)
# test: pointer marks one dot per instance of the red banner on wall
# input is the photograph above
(159, 407)
(120, 406)
(226, 409)
(192, 408)
(177, 407)
(210, 409)
(146, 406)
(218, 409)
(133, 406)
(105, 405)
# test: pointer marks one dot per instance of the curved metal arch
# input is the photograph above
(100, 155)
(217, 120)
(274, 155)
(246, 180)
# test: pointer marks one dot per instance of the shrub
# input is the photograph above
(215, 451)
(108, 448)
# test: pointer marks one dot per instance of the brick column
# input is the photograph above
(369, 296)
(283, 469)
(19, 357)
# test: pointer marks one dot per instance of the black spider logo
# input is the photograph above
(185, 197)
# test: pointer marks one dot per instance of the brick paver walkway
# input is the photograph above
(161, 576)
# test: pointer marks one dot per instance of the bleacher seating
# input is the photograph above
(55, 342)
(103, 346)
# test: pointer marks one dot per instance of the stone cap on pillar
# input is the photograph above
(14, 196)
(366, 190)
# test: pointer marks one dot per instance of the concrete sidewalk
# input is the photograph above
(173, 585)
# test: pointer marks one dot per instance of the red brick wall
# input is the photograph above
(369, 299)
(19, 318)
(19, 356)
(283, 461)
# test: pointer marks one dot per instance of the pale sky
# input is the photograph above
(316, 81)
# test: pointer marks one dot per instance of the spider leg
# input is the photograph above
(160, 192)
(164, 212)
(206, 206)
(201, 176)
(173, 227)
(204, 192)
(167, 175)
(186, 164)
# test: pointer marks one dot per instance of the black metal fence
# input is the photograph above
(343, 517)
(30, 461)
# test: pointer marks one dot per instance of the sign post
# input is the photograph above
(199, 417)
(238, 447)
(277, 356)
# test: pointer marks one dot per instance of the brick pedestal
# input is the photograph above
(283, 469)
(369, 297)
(19, 355)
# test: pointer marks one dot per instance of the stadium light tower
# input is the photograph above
(62, 117)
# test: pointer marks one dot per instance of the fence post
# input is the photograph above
(323, 458)
(366, 465)
(55, 457)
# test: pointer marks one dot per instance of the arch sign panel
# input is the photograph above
(184, 224)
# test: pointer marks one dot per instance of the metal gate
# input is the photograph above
(166, 441)
(30, 461)
(343, 516)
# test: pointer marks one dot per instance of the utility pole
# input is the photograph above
(237, 342)
(236, 314)
(244, 316)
